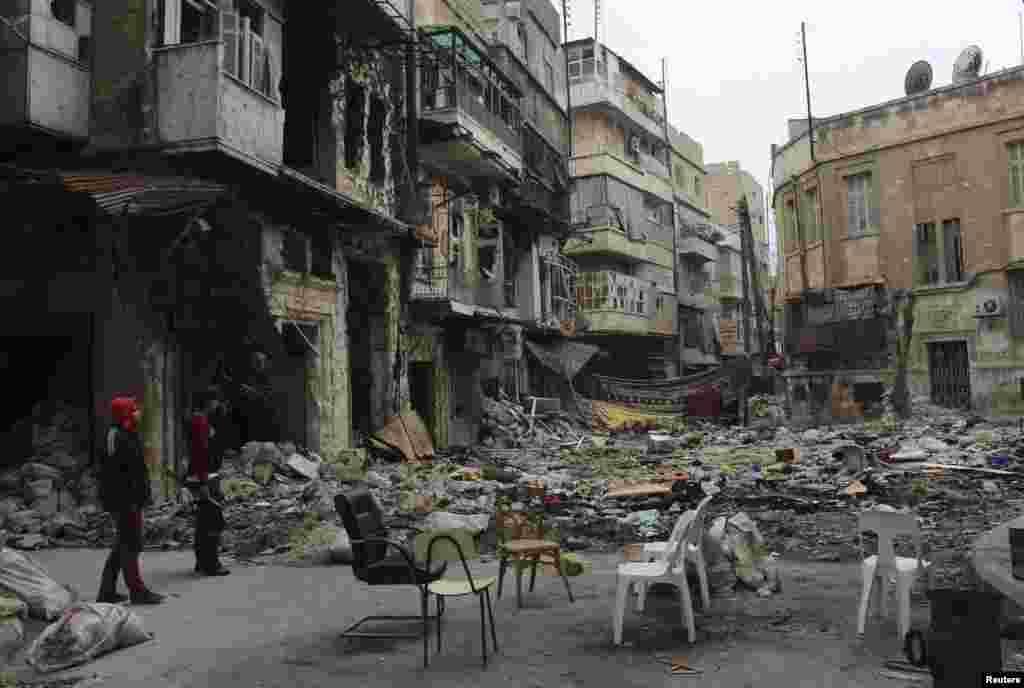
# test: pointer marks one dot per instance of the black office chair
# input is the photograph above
(364, 522)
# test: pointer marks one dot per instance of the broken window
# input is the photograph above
(584, 62)
(378, 114)
(455, 238)
(549, 74)
(939, 258)
(192, 21)
(511, 255)
(510, 379)
(246, 56)
(927, 253)
(295, 251)
(858, 200)
(1016, 310)
(64, 11)
(355, 96)
(322, 263)
(810, 207)
(1015, 151)
(953, 250)
(789, 218)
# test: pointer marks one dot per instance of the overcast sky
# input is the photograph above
(733, 73)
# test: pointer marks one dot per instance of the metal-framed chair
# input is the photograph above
(457, 545)
(364, 523)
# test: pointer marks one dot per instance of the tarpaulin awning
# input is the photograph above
(130, 193)
(564, 358)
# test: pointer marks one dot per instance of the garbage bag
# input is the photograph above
(26, 579)
(84, 632)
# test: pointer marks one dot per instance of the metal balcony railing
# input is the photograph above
(431, 282)
(459, 77)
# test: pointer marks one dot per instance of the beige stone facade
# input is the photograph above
(922, 194)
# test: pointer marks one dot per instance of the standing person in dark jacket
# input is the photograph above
(203, 479)
(125, 492)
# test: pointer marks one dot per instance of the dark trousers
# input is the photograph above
(124, 556)
(209, 526)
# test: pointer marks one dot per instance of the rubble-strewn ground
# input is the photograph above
(278, 626)
(280, 498)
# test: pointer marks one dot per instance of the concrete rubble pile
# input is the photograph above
(802, 490)
(508, 425)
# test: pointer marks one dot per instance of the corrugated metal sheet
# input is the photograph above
(136, 194)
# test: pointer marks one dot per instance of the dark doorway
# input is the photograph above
(48, 383)
(950, 374)
(365, 316)
(421, 389)
(289, 378)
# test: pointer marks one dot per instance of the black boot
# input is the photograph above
(207, 559)
(146, 596)
(108, 580)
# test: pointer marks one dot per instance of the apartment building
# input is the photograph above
(697, 254)
(623, 204)
(493, 144)
(915, 202)
(207, 191)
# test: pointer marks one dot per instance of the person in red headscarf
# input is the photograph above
(125, 492)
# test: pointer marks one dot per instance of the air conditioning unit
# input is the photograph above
(634, 144)
(989, 306)
(514, 10)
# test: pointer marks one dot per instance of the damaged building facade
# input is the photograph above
(623, 220)
(906, 221)
(696, 251)
(493, 142)
(206, 193)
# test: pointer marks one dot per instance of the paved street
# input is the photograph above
(278, 626)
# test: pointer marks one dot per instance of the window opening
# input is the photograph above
(953, 250)
(1016, 309)
(927, 253)
(295, 251)
(1015, 151)
(811, 219)
(378, 114)
(858, 189)
(354, 115)
(64, 11)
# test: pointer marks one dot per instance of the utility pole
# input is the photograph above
(742, 211)
(807, 86)
(568, 86)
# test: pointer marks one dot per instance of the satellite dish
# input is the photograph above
(918, 79)
(968, 66)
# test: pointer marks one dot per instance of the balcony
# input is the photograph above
(612, 161)
(437, 282)
(697, 249)
(615, 303)
(612, 241)
(217, 95)
(597, 90)
(471, 123)
(44, 61)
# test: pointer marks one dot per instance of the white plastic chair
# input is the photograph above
(884, 565)
(670, 567)
(694, 553)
